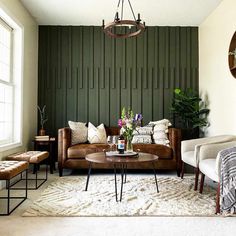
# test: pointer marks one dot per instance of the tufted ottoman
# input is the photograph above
(35, 158)
(8, 170)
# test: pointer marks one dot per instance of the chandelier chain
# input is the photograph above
(122, 9)
(132, 10)
(117, 9)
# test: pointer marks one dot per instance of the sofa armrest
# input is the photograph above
(175, 141)
(64, 142)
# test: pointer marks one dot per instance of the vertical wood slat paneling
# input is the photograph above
(90, 77)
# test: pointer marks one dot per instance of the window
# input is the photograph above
(6, 84)
(10, 85)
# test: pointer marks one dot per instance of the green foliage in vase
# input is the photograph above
(189, 107)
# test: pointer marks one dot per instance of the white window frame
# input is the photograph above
(9, 83)
(16, 75)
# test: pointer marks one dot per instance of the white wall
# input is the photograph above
(30, 70)
(215, 78)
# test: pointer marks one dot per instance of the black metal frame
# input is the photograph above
(8, 187)
(123, 171)
(36, 179)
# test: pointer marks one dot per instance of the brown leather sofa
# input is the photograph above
(73, 156)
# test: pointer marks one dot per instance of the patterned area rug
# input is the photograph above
(66, 197)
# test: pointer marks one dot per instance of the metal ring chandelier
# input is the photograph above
(109, 28)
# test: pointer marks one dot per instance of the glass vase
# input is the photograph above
(129, 145)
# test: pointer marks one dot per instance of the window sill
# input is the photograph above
(10, 146)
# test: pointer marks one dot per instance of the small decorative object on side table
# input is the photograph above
(43, 120)
(46, 143)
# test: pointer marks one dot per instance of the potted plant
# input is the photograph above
(43, 119)
(191, 111)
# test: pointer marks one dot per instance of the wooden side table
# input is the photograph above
(48, 145)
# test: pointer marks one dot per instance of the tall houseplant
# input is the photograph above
(190, 109)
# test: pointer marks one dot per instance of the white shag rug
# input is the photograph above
(66, 197)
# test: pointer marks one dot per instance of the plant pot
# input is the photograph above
(42, 132)
(190, 133)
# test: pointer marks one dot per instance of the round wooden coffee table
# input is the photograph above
(121, 162)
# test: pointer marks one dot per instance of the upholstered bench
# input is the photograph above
(8, 170)
(35, 158)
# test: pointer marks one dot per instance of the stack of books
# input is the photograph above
(42, 138)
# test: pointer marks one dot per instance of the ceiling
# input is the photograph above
(91, 12)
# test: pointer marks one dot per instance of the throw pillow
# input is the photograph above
(160, 127)
(162, 142)
(160, 135)
(160, 131)
(163, 121)
(143, 138)
(79, 132)
(97, 134)
(143, 130)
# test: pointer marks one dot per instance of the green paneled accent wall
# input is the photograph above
(86, 76)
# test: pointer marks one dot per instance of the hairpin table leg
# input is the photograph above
(89, 171)
(125, 165)
(122, 181)
(154, 171)
(115, 182)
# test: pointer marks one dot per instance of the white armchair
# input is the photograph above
(191, 151)
(210, 165)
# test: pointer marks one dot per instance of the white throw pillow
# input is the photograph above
(79, 132)
(160, 132)
(160, 127)
(97, 134)
(163, 121)
(160, 135)
(162, 142)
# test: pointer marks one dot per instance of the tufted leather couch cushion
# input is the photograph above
(80, 150)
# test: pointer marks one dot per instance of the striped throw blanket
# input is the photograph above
(228, 180)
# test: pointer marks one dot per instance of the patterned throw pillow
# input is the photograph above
(143, 130)
(97, 134)
(79, 132)
(143, 138)
(143, 134)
